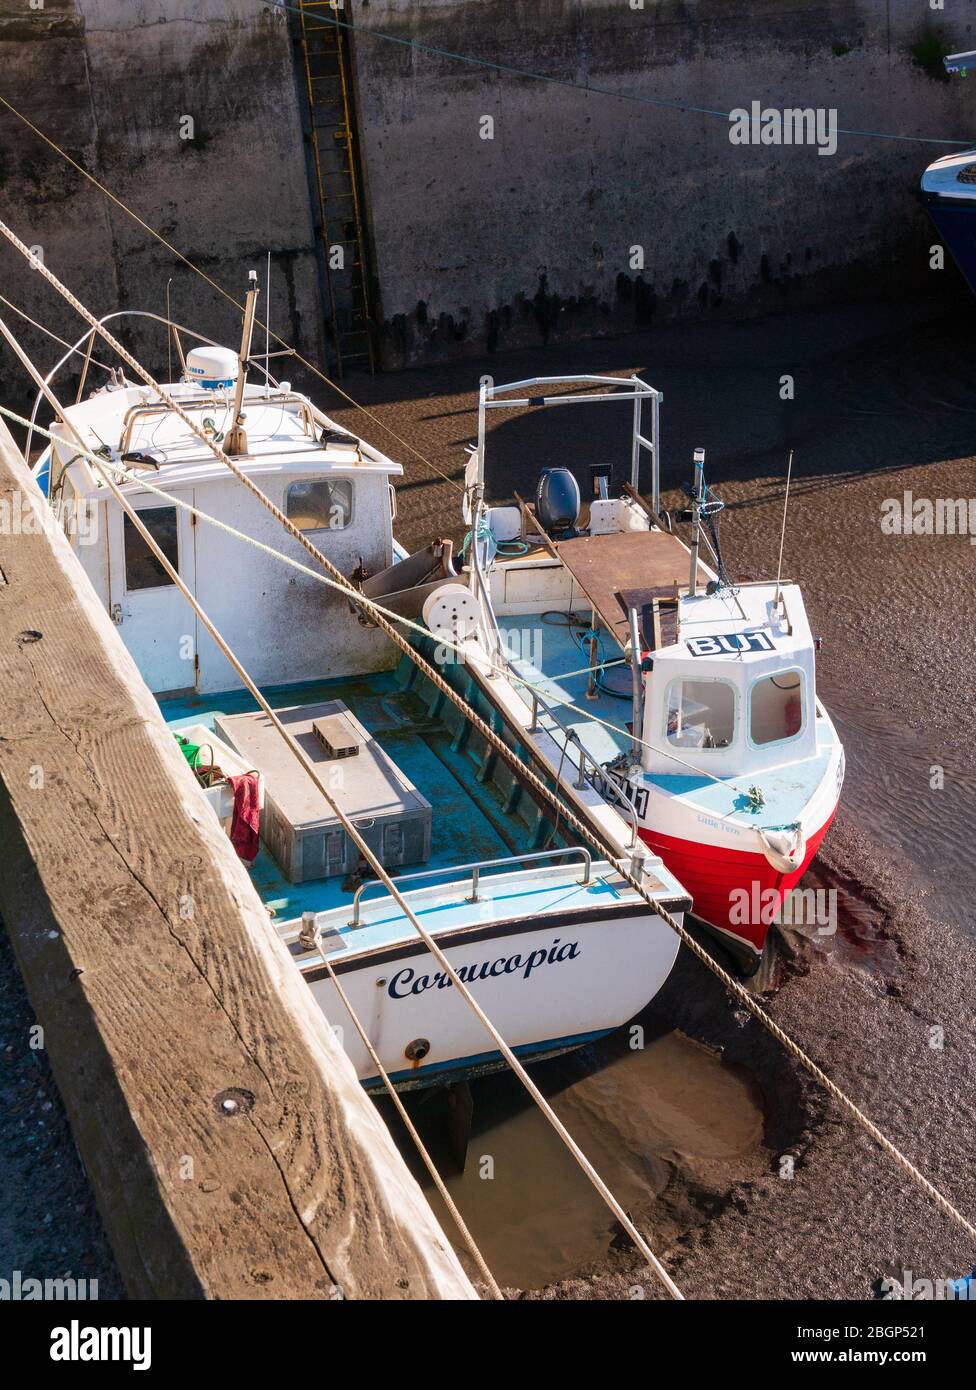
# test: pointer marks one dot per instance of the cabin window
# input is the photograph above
(701, 714)
(776, 707)
(320, 504)
(142, 569)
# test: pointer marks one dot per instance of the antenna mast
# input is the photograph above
(267, 333)
(235, 442)
(697, 497)
(782, 534)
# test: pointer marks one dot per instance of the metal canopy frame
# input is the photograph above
(173, 330)
(489, 398)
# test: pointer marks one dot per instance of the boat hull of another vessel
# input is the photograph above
(948, 190)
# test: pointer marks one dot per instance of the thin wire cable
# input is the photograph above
(510, 70)
(491, 737)
(348, 826)
(732, 985)
(310, 366)
(76, 351)
(460, 650)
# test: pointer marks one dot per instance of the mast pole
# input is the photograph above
(697, 494)
(782, 534)
(236, 440)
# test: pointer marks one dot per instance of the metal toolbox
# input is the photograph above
(298, 827)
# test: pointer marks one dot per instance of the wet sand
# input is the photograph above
(693, 1129)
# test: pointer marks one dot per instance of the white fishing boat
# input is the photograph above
(615, 650)
(947, 189)
(555, 945)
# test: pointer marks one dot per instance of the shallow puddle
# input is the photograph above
(648, 1118)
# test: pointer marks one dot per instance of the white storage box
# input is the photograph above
(220, 795)
(298, 827)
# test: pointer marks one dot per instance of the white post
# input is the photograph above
(697, 495)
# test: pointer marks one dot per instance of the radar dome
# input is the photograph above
(211, 367)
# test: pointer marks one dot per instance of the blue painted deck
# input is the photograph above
(529, 894)
(469, 819)
(558, 653)
(786, 790)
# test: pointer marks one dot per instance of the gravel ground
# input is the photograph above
(49, 1225)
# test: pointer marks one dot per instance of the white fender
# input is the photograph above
(785, 849)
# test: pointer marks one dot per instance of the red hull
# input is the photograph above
(712, 873)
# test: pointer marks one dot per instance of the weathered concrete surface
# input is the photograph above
(527, 237)
(112, 82)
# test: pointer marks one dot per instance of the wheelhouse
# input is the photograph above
(736, 692)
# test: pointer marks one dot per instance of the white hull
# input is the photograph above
(584, 979)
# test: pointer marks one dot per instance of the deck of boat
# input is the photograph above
(625, 569)
(471, 821)
(555, 664)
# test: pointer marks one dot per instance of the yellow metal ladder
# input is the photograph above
(326, 58)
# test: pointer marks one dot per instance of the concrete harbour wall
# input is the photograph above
(527, 236)
(583, 214)
(113, 83)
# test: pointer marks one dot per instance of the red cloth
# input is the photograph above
(246, 825)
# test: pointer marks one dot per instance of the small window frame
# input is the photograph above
(703, 680)
(165, 582)
(804, 707)
(332, 480)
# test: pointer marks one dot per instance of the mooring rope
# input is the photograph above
(496, 742)
(464, 653)
(158, 236)
(411, 1128)
(730, 983)
(75, 351)
(351, 830)
(701, 772)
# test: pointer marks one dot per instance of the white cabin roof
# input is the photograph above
(734, 613)
(282, 430)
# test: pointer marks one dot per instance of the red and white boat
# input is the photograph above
(642, 673)
(734, 697)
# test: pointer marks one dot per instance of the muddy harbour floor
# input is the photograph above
(748, 1181)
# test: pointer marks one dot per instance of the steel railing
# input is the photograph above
(475, 871)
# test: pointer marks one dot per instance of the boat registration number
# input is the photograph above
(637, 796)
(731, 644)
